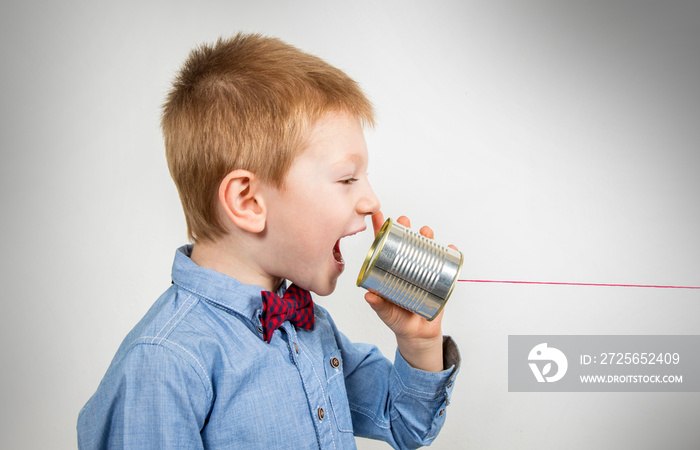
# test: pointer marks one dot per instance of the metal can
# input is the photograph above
(410, 270)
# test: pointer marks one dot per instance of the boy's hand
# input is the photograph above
(419, 341)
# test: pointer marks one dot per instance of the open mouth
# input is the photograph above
(337, 255)
(336, 252)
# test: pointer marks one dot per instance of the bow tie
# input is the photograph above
(296, 306)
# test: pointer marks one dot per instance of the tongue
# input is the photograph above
(336, 252)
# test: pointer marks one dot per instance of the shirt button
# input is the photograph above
(321, 414)
(296, 347)
(442, 411)
(335, 362)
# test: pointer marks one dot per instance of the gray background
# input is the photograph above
(552, 141)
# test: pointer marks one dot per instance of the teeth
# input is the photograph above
(336, 252)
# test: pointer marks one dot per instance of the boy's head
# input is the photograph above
(246, 103)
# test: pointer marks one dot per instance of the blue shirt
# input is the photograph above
(195, 372)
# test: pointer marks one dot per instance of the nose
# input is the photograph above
(368, 203)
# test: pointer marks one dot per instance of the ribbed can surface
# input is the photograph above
(410, 270)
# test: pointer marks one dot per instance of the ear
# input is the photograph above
(241, 201)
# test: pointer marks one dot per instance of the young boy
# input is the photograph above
(266, 147)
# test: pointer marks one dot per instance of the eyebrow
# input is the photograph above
(353, 158)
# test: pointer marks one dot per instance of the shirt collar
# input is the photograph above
(220, 289)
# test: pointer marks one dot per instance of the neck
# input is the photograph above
(223, 256)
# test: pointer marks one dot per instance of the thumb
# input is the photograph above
(381, 306)
(389, 313)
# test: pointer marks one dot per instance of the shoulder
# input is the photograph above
(184, 332)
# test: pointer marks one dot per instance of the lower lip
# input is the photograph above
(340, 265)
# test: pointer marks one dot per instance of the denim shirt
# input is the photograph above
(195, 372)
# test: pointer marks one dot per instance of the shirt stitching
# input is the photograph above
(201, 367)
(381, 423)
(195, 292)
(305, 350)
(177, 313)
(415, 392)
(207, 386)
(235, 313)
(212, 300)
(337, 371)
(312, 367)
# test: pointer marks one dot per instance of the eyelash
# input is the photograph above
(348, 181)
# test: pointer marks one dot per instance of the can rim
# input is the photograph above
(375, 249)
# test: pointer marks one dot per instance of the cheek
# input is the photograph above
(320, 209)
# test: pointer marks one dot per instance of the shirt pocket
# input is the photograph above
(335, 385)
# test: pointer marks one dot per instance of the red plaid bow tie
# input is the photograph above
(296, 306)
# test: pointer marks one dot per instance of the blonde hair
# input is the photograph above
(246, 103)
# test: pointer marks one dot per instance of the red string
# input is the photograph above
(581, 284)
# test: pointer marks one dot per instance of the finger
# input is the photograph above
(377, 222)
(373, 298)
(427, 232)
(388, 312)
(403, 220)
(378, 304)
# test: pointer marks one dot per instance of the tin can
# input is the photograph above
(410, 270)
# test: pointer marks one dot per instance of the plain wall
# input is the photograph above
(551, 141)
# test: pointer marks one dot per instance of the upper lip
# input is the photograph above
(354, 232)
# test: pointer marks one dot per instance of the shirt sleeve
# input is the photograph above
(150, 398)
(397, 403)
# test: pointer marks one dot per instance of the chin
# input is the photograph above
(325, 290)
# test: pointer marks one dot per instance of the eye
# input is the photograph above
(348, 180)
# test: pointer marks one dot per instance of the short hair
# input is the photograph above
(247, 102)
